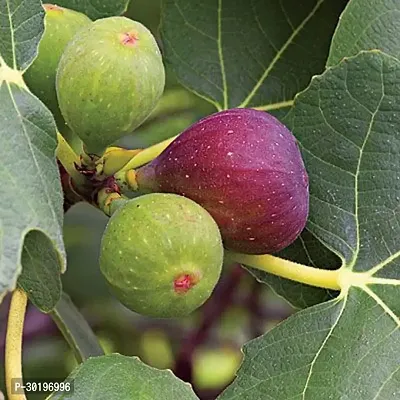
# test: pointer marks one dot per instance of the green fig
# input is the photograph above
(109, 80)
(162, 255)
(61, 25)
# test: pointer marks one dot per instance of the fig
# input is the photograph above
(110, 78)
(161, 254)
(61, 25)
(245, 168)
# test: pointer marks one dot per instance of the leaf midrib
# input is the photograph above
(323, 345)
(32, 152)
(12, 34)
(357, 174)
(221, 57)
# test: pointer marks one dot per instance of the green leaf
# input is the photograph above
(40, 277)
(124, 378)
(30, 189)
(345, 349)
(367, 25)
(76, 330)
(21, 27)
(307, 250)
(248, 53)
(347, 123)
(96, 9)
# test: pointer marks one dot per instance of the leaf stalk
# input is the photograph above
(147, 154)
(323, 278)
(69, 159)
(13, 352)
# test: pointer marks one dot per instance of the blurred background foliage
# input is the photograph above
(203, 348)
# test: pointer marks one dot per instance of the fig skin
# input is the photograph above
(61, 25)
(109, 80)
(162, 255)
(245, 168)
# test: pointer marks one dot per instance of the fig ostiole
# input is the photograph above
(162, 255)
(110, 78)
(61, 25)
(245, 168)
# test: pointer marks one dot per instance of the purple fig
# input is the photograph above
(245, 168)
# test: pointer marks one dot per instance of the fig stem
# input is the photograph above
(89, 159)
(13, 351)
(110, 201)
(126, 180)
(69, 159)
(113, 160)
(147, 155)
(323, 278)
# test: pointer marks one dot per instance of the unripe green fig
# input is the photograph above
(109, 80)
(61, 25)
(162, 255)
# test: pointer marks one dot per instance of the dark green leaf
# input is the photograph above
(367, 25)
(343, 349)
(348, 124)
(95, 9)
(124, 378)
(248, 53)
(40, 277)
(76, 330)
(21, 27)
(30, 189)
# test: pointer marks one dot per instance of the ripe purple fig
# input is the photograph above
(245, 168)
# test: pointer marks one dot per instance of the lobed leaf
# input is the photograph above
(248, 53)
(21, 27)
(30, 189)
(40, 276)
(366, 25)
(348, 125)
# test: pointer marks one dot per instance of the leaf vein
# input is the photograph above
(322, 346)
(221, 56)
(358, 170)
(279, 54)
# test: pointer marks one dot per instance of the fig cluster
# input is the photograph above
(245, 168)
(233, 180)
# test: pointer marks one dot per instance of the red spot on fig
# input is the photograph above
(183, 283)
(129, 38)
